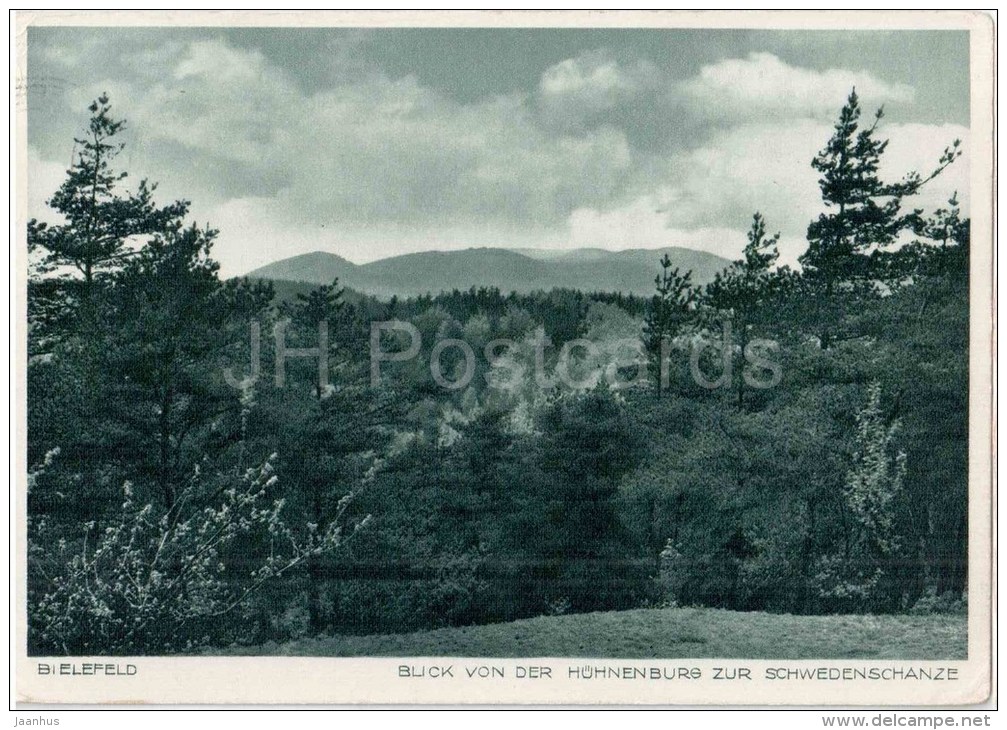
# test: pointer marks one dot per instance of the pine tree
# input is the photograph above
(864, 216)
(941, 252)
(669, 311)
(99, 223)
(569, 531)
(167, 325)
(743, 292)
(313, 315)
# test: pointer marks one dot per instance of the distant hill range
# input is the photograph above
(520, 270)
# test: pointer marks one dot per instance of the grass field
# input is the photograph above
(663, 633)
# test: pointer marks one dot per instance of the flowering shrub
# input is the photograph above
(558, 606)
(946, 603)
(155, 581)
(855, 580)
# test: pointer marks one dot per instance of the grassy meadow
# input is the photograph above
(663, 633)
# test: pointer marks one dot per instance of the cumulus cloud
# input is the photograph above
(767, 167)
(709, 193)
(400, 151)
(577, 91)
(762, 85)
(368, 149)
(749, 167)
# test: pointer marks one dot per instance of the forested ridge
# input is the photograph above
(789, 440)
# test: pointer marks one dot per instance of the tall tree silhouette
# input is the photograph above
(669, 311)
(744, 291)
(98, 222)
(863, 217)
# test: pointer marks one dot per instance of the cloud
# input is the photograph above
(363, 150)
(370, 164)
(766, 167)
(707, 195)
(403, 152)
(225, 65)
(747, 168)
(644, 223)
(762, 85)
(597, 78)
(577, 91)
(43, 177)
(918, 147)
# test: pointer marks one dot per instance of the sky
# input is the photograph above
(370, 143)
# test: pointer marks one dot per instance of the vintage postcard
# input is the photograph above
(504, 357)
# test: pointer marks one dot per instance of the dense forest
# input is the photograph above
(215, 461)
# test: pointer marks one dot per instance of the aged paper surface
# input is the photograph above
(500, 134)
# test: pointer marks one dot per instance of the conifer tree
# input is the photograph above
(864, 216)
(167, 326)
(669, 311)
(743, 292)
(941, 252)
(313, 315)
(98, 222)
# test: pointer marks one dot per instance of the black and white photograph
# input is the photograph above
(627, 355)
